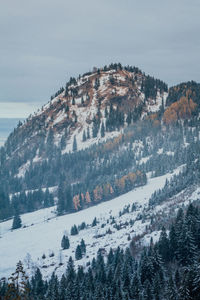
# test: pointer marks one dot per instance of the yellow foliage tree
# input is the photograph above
(98, 193)
(87, 197)
(76, 201)
(181, 109)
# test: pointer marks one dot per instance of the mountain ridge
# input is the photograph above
(106, 112)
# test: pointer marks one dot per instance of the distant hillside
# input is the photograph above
(97, 138)
(6, 126)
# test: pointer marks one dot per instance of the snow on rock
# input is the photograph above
(23, 169)
(61, 115)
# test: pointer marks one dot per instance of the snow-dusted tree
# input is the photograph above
(28, 260)
(65, 242)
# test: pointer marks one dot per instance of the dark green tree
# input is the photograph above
(74, 148)
(83, 246)
(65, 242)
(78, 253)
(17, 222)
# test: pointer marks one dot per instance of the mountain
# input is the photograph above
(90, 110)
(106, 178)
(97, 139)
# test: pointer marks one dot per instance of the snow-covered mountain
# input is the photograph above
(83, 107)
(107, 146)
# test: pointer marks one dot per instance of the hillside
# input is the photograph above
(113, 229)
(91, 113)
(107, 163)
(97, 139)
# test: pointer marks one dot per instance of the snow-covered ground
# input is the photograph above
(43, 231)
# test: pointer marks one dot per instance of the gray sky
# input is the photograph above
(44, 42)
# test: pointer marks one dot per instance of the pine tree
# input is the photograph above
(74, 148)
(17, 222)
(88, 133)
(94, 222)
(102, 130)
(163, 245)
(65, 242)
(83, 247)
(84, 136)
(172, 242)
(171, 290)
(39, 287)
(68, 200)
(17, 286)
(70, 270)
(78, 253)
(74, 230)
(62, 288)
(186, 251)
(61, 198)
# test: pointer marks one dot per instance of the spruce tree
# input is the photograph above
(74, 148)
(94, 222)
(17, 222)
(61, 198)
(102, 130)
(65, 242)
(88, 133)
(163, 246)
(84, 136)
(78, 253)
(83, 246)
(74, 230)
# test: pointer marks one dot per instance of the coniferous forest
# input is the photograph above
(168, 269)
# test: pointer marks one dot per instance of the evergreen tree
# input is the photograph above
(163, 246)
(61, 198)
(88, 133)
(78, 253)
(74, 148)
(84, 136)
(74, 230)
(102, 130)
(17, 222)
(65, 242)
(83, 247)
(94, 222)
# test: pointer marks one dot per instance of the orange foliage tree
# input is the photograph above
(181, 109)
(87, 197)
(98, 193)
(76, 201)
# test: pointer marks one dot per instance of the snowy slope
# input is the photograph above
(44, 231)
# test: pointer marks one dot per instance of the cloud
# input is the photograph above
(44, 42)
(19, 110)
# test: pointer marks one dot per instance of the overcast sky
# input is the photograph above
(44, 42)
